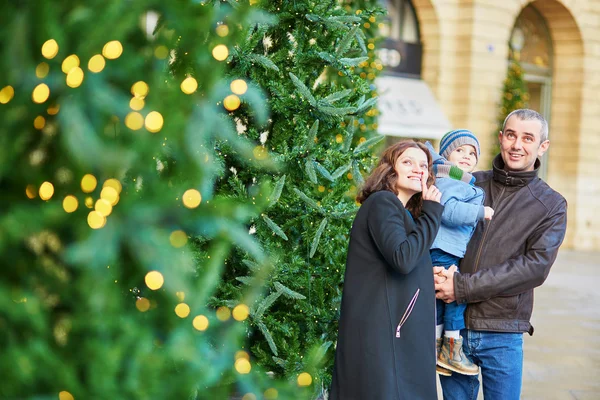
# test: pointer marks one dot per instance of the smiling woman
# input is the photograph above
(385, 347)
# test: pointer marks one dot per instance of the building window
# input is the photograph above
(402, 22)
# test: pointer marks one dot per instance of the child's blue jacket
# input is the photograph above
(463, 208)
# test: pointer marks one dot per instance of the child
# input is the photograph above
(463, 208)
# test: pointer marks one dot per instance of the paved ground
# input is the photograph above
(562, 358)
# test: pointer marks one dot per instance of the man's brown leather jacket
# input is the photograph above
(510, 255)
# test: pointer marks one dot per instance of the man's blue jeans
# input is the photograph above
(500, 357)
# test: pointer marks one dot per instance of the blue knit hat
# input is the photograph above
(456, 138)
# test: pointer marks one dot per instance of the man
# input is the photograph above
(506, 259)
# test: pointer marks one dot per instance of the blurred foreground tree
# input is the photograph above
(108, 164)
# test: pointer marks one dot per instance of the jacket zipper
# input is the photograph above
(485, 232)
(407, 312)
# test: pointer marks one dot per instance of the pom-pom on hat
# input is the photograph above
(456, 138)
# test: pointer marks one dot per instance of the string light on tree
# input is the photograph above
(88, 183)
(223, 313)
(96, 220)
(96, 63)
(243, 366)
(142, 304)
(182, 310)
(41, 71)
(191, 198)
(304, 379)
(239, 86)
(30, 192)
(200, 323)
(53, 109)
(154, 121)
(70, 203)
(50, 49)
(46, 191)
(241, 312)
(39, 122)
(69, 63)
(134, 121)
(136, 103)
(110, 195)
(154, 280)
(140, 89)
(178, 238)
(189, 85)
(6, 94)
(220, 52)
(75, 77)
(231, 102)
(40, 93)
(103, 207)
(112, 50)
(64, 395)
(222, 30)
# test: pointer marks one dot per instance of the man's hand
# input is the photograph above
(444, 283)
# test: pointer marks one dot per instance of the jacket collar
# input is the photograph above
(510, 178)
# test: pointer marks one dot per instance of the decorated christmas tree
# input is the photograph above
(177, 196)
(514, 96)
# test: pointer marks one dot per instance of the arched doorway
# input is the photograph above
(531, 44)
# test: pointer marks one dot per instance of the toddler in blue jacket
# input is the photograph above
(463, 208)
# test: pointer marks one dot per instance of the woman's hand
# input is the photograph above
(432, 193)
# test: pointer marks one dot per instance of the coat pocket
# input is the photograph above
(407, 312)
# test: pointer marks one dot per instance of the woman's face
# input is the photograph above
(411, 167)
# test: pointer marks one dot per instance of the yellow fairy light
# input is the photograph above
(304, 379)
(154, 121)
(271, 394)
(69, 63)
(182, 310)
(6, 94)
(154, 280)
(242, 366)
(231, 102)
(96, 220)
(189, 85)
(112, 49)
(222, 30)
(50, 49)
(349, 176)
(40, 93)
(178, 239)
(200, 323)
(249, 396)
(89, 202)
(241, 312)
(88, 183)
(75, 77)
(42, 70)
(242, 354)
(260, 153)
(53, 109)
(46, 191)
(220, 52)
(136, 103)
(96, 63)
(140, 89)
(321, 189)
(161, 52)
(39, 122)
(191, 198)
(223, 313)
(339, 138)
(64, 395)
(134, 121)
(113, 183)
(239, 86)
(103, 207)
(110, 194)
(180, 296)
(70, 203)
(30, 191)
(142, 304)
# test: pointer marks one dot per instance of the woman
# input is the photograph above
(386, 339)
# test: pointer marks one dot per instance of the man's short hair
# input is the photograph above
(525, 114)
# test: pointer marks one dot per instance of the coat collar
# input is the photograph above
(510, 178)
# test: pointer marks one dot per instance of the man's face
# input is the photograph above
(521, 145)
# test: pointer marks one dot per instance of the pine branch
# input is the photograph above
(263, 328)
(348, 140)
(334, 111)
(346, 41)
(288, 292)
(274, 227)
(352, 62)
(366, 105)
(317, 238)
(366, 145)
(312, 134)
(309, 167)
(251, 265)
(341, 170)
(246, 280)
(263, 61)
(332, 98)
(310, 202)
(274, 198)
(265, 304)
(323, 171)
(304, 91)
(356, 175)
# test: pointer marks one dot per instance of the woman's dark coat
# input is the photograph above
(386, 339)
